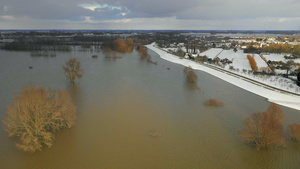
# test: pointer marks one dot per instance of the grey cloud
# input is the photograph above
(48, 9)
(188, 9)
(209, 9)
(153, 8)
(190, 12)
(243, 10)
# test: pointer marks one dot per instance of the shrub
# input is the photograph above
(276, 111)
(143, 52)
(294, 131)
(190, 74)
(130, 45)
(264, 130)
(213, 103)
(120, 46)
(252, 63)
(36, 114)
(72, 69)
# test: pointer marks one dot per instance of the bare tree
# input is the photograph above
(73, 69)
(130, 45)
(190, 74)
(120, 45)
(288, 66)
(213, 103)
(294, 131)
(143, 52)
(195, 46)
(275, 110)
(36, 114)
(264, 130)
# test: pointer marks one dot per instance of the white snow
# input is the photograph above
(211, 53)
(297, 60)
(274, 57)
(279, 57)
(239, 58)
(172, 49)
(284, 99)
(182, 48)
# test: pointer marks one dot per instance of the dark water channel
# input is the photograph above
(119, 102)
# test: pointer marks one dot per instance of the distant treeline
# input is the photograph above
(276, 48)
(18, 46)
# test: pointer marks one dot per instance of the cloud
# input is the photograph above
(5, 9)
(204, 9)
(7, 17)
(95, 6)
(154, 14)
(285, 20)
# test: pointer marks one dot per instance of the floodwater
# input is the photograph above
(120, 102)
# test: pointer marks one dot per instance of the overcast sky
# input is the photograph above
(151, 14)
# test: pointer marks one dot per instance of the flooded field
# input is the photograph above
(121, 103)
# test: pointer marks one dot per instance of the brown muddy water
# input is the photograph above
(120, 102)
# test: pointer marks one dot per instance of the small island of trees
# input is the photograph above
(264, 130)
(119, 45)
(36, 114)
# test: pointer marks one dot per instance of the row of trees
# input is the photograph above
(283, 48)
(142, 51)
(252, 63)
(278, 48)
(265, 129)
(191, 75)
(275, 48)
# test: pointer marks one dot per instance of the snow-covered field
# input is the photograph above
(275, 57)
(239, 58)
(172, 49)
(275, 81)
(211, 53)
(241, 66)
(278, 57)
(240, 63)
(284, 99)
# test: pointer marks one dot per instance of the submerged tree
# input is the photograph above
(36, 114)
(294, 131)
(110, 48)
(143, 52)
(120, 46)
(275, 110)
(213, 103)
(130, 45)
(72, 69)
(190, 74)
(264, 130)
